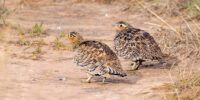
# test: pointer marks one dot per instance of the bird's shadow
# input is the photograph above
(168, 64)
(131, 78)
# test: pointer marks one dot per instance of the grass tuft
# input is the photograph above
(188, 89)
(36, 30)
(57, 45)
(62, 34)
(191, 6)
(36, 54)
(4, 12)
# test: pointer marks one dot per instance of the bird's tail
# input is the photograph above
(167, 59)
(114, 72)
(123, 74)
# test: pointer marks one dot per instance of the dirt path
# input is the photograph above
(26, 79)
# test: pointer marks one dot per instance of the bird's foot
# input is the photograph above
(85, 81)
(134, 66)
(103, 80)
(88, 80)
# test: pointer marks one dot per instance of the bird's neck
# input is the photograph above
(76, 44)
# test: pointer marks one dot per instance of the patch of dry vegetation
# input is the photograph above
(94, 1)
(3, 29)
(169, 8)
(57, 43)
(3, 12)
(174, 8)
(26, 35)
(31, 39)
(183, 89)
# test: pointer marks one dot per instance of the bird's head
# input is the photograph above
(74, 38)
(121, 26)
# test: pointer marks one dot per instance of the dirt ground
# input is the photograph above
(54, 76)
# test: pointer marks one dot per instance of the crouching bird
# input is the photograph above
(135, 44)
(94, 58)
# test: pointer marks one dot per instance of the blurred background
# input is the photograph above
(36, 62)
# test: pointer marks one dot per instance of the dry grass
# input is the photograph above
(36, 54)
(36, 30)
(3, 12)
(58, 45)
(31, 39)
(184, 89)
(95, 1)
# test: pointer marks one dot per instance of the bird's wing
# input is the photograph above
(149, 47)
(136, 44)
(97, 53)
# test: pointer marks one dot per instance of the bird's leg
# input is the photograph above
(136, 65)
(103, 81)
(133, 64)
(105, 76)
(88, 80)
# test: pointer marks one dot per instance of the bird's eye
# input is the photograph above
(120, 25)
(71, 35)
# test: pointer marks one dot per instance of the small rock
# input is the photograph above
(62, 79)
(106, 15)
(58, 28)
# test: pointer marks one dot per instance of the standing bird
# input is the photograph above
(135, 44)
(95, 58)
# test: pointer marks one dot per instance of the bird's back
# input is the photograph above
(91, 53)
(136, 44)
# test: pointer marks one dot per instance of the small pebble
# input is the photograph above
(62, 79)
(58, 27)
(106, 15)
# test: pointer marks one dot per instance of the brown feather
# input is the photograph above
(91, 54)
(136, 44)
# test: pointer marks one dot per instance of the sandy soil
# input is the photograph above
(54, 76)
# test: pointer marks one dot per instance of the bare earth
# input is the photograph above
(54, 76)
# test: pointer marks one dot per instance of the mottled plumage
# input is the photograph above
(135, 44)
(95, 58)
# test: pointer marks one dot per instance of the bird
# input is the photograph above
(94, 57)
(135, 45)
